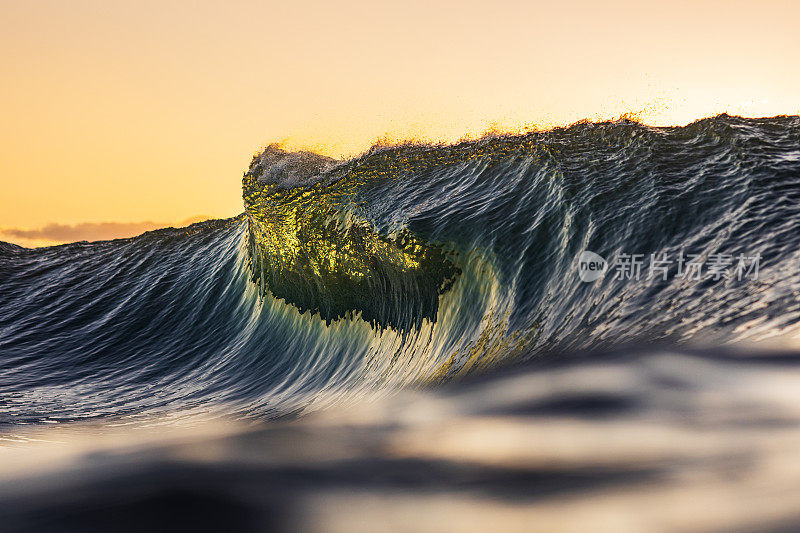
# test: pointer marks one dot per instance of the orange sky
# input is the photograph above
(137, 111)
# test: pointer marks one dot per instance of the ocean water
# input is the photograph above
(417, 270)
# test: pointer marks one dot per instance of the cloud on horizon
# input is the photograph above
(87, 231)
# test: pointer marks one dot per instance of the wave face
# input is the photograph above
(412, 264)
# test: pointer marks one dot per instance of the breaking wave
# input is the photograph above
(413, 264)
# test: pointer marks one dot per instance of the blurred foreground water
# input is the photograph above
(635, 440)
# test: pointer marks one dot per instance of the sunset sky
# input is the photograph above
(124, 112)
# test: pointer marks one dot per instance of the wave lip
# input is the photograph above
(307, 249)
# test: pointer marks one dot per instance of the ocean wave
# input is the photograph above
(413, 264)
